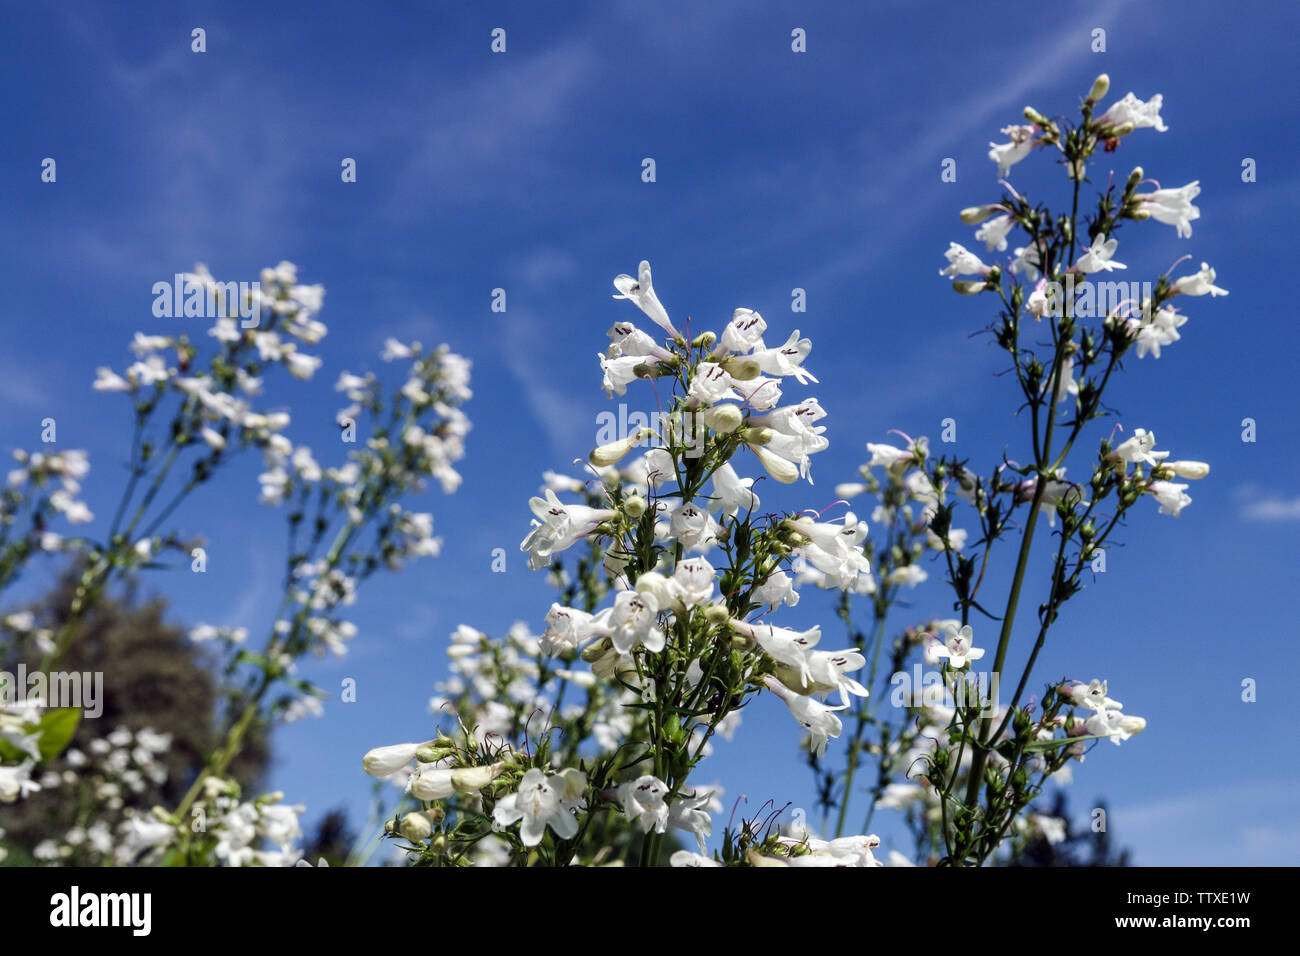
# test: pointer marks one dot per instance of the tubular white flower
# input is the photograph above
(1008, 154)
(1173, 207)
(644, 803)
(1201, 283)
(640, 291)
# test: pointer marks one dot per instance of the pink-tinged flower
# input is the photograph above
(640, 291)
(957, 647)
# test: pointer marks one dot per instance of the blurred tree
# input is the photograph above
(154, 677)
(1081, 846)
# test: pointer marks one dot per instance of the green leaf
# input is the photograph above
(56, 729)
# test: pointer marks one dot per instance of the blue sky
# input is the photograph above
(775, 170)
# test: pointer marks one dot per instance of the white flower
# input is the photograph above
(1173, 207)
(619, 372)
(815, 717)
(787, 359)
(1140, 449)
(994, 233)
(743, 333)
(16, 782)
(1162, 330)
(644, 804)
(711, 383)
(394, 349)
(687, 858)
(694, 528)
(1172, 497)
(692, 582)
(302, 366)
(691, 812)
(634, 620)
(1007, 155)
(760, 392)
(568, 629)
(731, 493)
(776, 590)
(109, 381)
(784, 645)
(538, 803)
(1200, 283)
(1132, 110)
(962, 262)
(561, 526)
(640, 291)
(958, 648)
(1098, 257)
(1093, 695)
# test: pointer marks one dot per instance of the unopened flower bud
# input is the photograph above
(782, 469)
(416, 827)
(1134, 178)
(1035, 117)
(1188, 469)
(610, 453)
(977, 214)
(1099, 87)
(1132, 724)
(723, 419)
(634, 506)
(969, 286)
(716, 614)
(741, 369)
(432, 784)
(386, 761)
(473, 779)
(1123, 130)
(758, 436)
(704, 340)
(594, 652)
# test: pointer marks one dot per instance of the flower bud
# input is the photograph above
(723, 419)
(634, 506)
(432, 784)
(716, 614)
(704, 340)
(1134, 178)
(1035, 117)
(594, 652)
(472, 779)
(1123, 130)
(610, 453)
(606, 665)
(1188, 469)
(386, 761)
(783, 470)
(969, 286)
(741, 369)
(416, 827)
(972, 215)
(757, 436)
(1099, 87)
